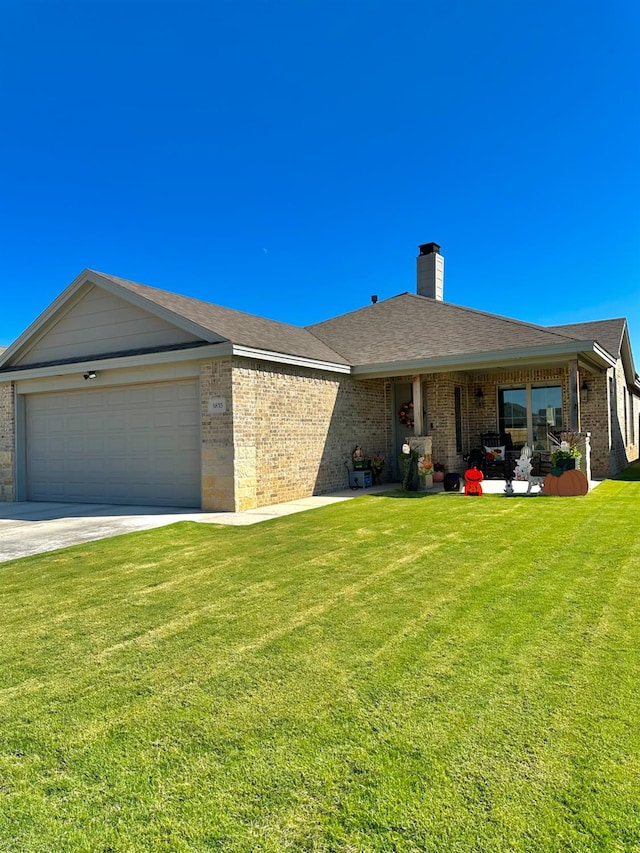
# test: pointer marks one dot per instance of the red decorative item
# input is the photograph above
(473, 477)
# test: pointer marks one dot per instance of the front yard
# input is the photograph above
(430, 674)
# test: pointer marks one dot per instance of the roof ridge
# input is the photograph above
(497, 316)
(589, 322)
(464, 308)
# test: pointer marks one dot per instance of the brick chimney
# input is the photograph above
(430, 269)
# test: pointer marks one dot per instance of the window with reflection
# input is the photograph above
(546, 415)
(513, 415)
(529, 413)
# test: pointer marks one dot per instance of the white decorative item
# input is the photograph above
(523, 467)
(523, 470)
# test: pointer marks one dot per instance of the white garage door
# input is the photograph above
(138, 444)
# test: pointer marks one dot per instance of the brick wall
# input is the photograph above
(612, 418)
(296, 428)
(595, 418)
(7, 442)
(624, 441)
(476, 419)
(441, 413)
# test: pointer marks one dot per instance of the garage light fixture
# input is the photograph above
(90, 374)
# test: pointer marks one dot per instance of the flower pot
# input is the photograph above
(438, 476)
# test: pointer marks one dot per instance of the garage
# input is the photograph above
(136, 444)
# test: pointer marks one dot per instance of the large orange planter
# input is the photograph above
(568, 484)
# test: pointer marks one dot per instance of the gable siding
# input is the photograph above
(100, 323)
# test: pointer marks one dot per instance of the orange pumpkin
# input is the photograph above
(568, 484)
(572, 483)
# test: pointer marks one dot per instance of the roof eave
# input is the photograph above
(490, 359)
(209, 351)
(288, 358)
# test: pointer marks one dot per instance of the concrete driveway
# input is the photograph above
(35, 527)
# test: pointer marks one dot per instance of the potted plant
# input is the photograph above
(566, 455)
(409, 468)
(438, 472)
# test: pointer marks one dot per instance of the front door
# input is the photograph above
(403, 420)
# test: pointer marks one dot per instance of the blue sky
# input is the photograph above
(286, 157)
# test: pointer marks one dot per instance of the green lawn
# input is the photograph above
(435, 674)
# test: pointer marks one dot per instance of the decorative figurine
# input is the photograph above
(357, 457)
(473, 478)
(523, 465)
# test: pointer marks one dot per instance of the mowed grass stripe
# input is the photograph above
(420, 674)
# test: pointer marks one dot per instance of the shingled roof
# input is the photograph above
(410, 326)
(235, 326)
(608, 333)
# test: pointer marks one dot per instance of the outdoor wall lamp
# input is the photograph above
(479, 395)
(584, 388)
(90, 374)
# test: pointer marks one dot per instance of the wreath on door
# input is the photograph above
(405, 413)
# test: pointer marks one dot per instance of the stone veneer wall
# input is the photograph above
(218, 492)
(7, 442)
(294, 428)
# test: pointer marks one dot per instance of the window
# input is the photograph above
(529, 413)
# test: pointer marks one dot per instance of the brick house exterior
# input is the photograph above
(123, 393)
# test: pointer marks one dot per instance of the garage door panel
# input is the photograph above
(94, 422)
(96, 444)
(187, 392)
(137, 444)
(189, 444)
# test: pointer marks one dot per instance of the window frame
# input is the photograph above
(528, 388)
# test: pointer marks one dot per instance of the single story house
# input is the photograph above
(123, 393)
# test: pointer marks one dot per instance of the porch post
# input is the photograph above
(418, 424)
(574, 398)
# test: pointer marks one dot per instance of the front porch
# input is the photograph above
(498, 486)
(522, 407)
